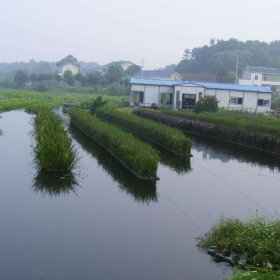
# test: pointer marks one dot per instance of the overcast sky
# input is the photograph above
(106, 30)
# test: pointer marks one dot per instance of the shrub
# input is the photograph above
(115, 90)
(206, 104)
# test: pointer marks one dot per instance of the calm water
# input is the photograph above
(107, 225)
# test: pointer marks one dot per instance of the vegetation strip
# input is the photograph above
(136, 156)
(166, 137)
(54, 150)
(254, 244)
(255, 139)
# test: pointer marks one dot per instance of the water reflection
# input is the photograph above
(180, 165)
(140, 190)
(225, 152)
(54, 184)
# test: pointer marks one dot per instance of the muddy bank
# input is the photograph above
(255, 140)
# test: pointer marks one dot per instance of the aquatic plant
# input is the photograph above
(54, 149)
(257, 241)
(138, 156)
(163, 135)
(257, 275)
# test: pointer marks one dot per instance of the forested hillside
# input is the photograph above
(217, 61)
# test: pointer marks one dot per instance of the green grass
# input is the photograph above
(241, 121)
(257, 241)
(171, 138)
(17, 99)
(137, 155)
(54, 150)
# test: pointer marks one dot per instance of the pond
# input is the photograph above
(105, 224)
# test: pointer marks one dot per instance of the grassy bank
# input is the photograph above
(167, 137)
(257, 242)
(135, 154)
(17, 99)
(241, 121)
(54, 150)
(257, 275)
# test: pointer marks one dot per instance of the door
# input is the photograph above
(188, 101)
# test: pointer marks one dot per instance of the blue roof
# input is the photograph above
(208, 85)
(221, 86)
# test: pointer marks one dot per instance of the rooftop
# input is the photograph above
(207, 85)
(153, 74)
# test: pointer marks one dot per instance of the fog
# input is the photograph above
(157, 30)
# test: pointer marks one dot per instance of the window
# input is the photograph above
(166, 98)
(256, 77)
(200, 94)
(236, 100)
(263, 102)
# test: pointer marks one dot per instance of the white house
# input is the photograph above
(68, 66)
(185, 94)
(261, 76)
(158, 74)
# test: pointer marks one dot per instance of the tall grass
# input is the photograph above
(170, 138)
(240, 121)
(54, 150)
(137, 155)
(257, 241)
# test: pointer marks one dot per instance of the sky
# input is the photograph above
(157, 31)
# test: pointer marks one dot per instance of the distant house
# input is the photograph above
(261, 76)
(68, 66)
(124, 64)
(185, 94)
(160, 74)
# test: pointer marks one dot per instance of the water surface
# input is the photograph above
(105, 224)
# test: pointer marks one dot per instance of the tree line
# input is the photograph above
(217, 61)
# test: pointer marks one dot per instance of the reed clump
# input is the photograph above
(138, 156)
(256, 241)
(163, 135)
(54, 149)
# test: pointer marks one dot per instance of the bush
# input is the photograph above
(40, 87)
(115, 90)
(206, 104)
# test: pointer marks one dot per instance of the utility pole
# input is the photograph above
(236, 71)
(142, 67)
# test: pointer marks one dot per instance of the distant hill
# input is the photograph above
(217, 61)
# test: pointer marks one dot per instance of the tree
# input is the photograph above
(68, 78)
(79, 77)
(114, 73)
(132, 70)
(94, 79)
(68, 59)
(20, 78)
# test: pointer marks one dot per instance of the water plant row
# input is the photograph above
(255, 139)
(138, 157)
(160, 134)
(54, 149)
(241, 121)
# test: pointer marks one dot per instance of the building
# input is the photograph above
(185, 94)
(68, 67)
(261, 76)
(160, 75)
